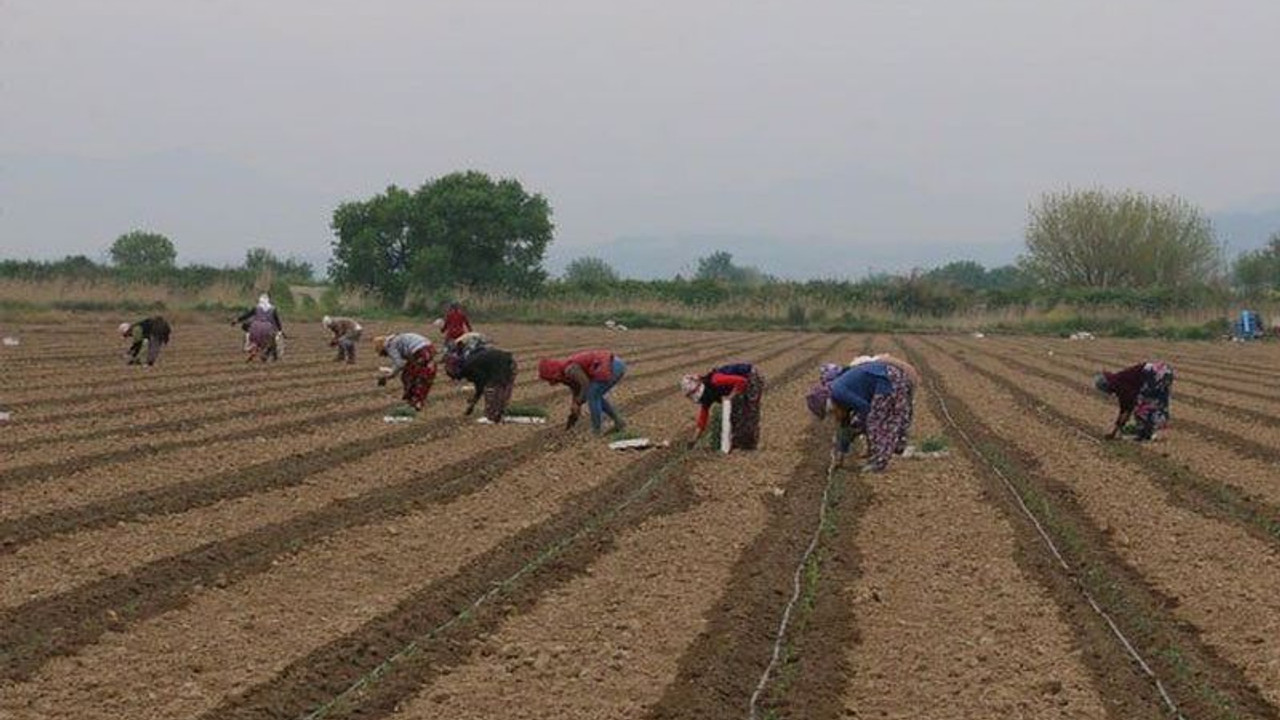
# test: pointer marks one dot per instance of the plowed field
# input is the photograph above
(214, 539)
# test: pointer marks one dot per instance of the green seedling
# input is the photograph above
(402, 411)
(934, 443)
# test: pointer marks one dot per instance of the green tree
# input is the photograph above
(1101, 239)
(590, 272)
(1260, 269)
(461, 229)
(962, 273)
(259, 260)
(719, 267)
(141, 250)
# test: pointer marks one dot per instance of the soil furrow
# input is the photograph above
(718, 672)
(1211, 498)
(264, 476)
(33, 633)
(1202, 682)
(1181, 392)
(197, 421)
(35, 472)
(1247, 447)
(195, 392)
(328, 671)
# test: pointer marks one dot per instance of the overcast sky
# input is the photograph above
(861, 133)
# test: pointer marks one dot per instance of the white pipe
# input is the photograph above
(726, 429)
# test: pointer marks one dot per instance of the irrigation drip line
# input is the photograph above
(498, 588)
(1053, 548)
(783, 625)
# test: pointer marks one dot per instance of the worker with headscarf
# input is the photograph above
(455, 324)
(874, 394)
(263, 330)
(153, 332)
(743, 384)
(411, 360)
(1143, 393)
(346, 333)
(589, 375)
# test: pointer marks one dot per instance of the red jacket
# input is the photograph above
(456, 324)
(598, 364)
(718, 385)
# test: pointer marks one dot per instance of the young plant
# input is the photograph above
(934, 443)
(525, 411)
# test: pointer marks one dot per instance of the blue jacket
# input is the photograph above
(855, 387)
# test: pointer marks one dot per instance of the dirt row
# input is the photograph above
(233, 497)
(94, 474)
(1227, 452)
(1188, 587)
(438, 527)
(266, 408)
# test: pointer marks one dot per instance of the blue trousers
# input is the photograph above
(598, 403)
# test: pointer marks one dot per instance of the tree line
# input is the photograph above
(468, 231)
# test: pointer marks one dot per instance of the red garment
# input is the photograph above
(456, 324)
(1126, 384)
(598, 364)
(417, 376)
(721, 385)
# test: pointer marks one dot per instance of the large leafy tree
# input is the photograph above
(463, 229)
(1101, 239)
(142, 250)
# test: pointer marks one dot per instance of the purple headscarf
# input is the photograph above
(817, 398)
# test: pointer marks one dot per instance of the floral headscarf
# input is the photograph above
(816, 400)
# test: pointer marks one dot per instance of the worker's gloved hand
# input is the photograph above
(573, 420)
(470, 408)
(382, 381)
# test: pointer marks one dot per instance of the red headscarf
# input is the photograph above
(551, 370)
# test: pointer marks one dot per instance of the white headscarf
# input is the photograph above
(264, 301)
(691, 386)
(862, 360)
(124, 328)
(327, 321)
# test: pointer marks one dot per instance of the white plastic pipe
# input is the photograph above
(726, 429)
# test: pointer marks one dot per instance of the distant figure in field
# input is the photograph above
(263, 330)
(153, 332)
(493, 372)
(744, 385)
(412, 361)
(589, 375)
(875, 394)
(455, 324)
(346, 333)
(1143, 393)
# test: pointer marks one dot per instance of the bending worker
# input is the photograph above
(589, 375)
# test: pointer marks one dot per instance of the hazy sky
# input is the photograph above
(864, 133)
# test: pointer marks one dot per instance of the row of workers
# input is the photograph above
(873, 396)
